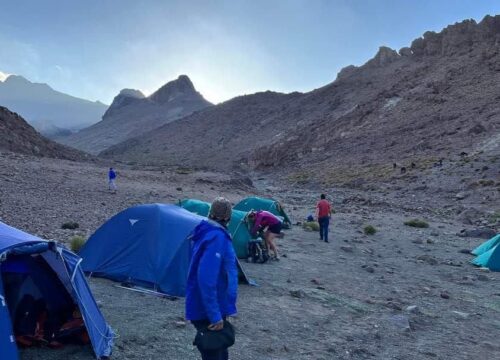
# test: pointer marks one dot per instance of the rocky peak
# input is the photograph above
(384, 56)
(182, 86)
(124, 98)
(16, 80)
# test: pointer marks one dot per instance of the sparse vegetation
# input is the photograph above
(369, 230)
(417, 223)
(486, 182)
(183, 171)
(70, 225)
(300, 177)
(76, 243)
(311, 226)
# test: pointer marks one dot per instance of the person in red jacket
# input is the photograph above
(270, 224)
(323, 214)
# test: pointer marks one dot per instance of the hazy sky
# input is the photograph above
(94, 48)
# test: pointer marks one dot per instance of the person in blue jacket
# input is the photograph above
(111, 180)
(212, 284)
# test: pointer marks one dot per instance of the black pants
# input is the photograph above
(210, 355)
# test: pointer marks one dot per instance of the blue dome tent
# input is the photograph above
(34, 268)
(146, 245)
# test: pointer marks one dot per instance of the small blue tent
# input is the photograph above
(51, 270)
(147, 245)
(488, 254)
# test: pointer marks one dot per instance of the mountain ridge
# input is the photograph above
(131, 114)
(47, 108)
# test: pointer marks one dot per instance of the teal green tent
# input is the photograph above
(237, 227)
(195, 206)
(488, 254)
(486, 246)
(271, 205)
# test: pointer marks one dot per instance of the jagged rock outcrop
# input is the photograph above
(132, 114)
(17, 135)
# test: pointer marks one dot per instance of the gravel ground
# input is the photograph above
(403, 293)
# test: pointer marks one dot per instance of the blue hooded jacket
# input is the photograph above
(212, 285)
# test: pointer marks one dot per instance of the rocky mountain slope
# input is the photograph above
(49, 111)
(434, 99)
(17, 135)
(132, 114)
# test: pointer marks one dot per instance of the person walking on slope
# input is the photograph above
(323, 214)
(111, 180)
(264, 220)
(212, 284)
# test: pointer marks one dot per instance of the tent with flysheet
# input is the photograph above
(271, 205)
(237, 227)
(488, 254)
(147, 246)
(43, 287)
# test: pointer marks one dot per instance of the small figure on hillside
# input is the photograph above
(111, 180)
(270, 225)
(394, 165)
(403, 170)
(323, 213)
(212, 284)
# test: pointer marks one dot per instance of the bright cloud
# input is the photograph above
(3, 76)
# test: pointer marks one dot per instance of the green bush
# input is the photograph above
(369, 230)
(76, 243)
(311, 226)
(71, 225)
(417, 223)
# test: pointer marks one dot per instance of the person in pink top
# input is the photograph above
(270, 224)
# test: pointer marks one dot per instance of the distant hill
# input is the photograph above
(17, 135)
(436, 98)
(132, 114)
(49, 111)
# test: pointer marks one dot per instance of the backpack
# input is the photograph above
(257, 253)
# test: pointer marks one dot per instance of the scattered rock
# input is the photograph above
(400, 322)
(414, 309)
(418, 241)
(460, 196)
(482, 277)
(299, 294)
(445, 295)
(369, 269)
(464, 251)
(347, 248)
(460, 314)
(431, 260)
(180, 324)
(178, 189)
(483, 233)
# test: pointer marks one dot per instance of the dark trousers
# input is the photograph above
(324, 222)
(210, 355)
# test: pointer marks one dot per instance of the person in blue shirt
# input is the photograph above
(111, 180)
(212, 284)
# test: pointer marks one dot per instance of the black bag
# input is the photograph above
(209, 340)
(257, 253)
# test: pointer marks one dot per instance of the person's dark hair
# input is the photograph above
(323, 196)
(110, 168)
(220, 211)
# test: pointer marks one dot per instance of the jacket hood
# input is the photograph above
(206, 226)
